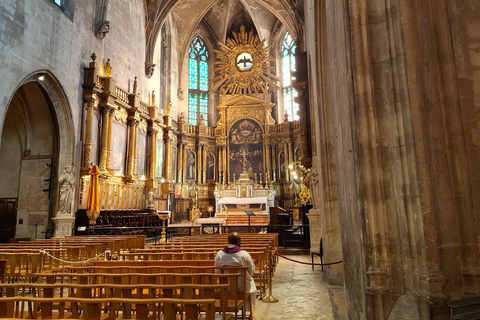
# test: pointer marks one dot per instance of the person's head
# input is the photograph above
(234, 238)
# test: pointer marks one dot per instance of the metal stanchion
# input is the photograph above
(270, 298)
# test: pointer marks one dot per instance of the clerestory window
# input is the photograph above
(290, 107)
(197, 82)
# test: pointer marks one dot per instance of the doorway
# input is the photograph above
(8, 212)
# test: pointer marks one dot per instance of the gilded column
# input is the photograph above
(287, 162)
(153, 152)
(105, 131)
(109, 139)
(168, 158)
(204, 167)
(180, 163)
(199, 163)
(92, 101)
(274, 162)
(135, 141)
(132, 123)
(225, 168)
(219, 167)
(267, 165)
(184, 174)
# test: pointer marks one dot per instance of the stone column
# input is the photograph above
(92, 101)
(105, 131)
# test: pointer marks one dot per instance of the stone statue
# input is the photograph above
(312, 176)
(67, 187)
(180, 94)
(182, 118)
(153, 98)
(285, 117)
(108, 69)
(201, 120)
(135, 84)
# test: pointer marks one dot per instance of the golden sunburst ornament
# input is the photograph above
(244, 65)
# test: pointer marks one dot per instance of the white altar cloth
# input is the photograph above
(234, 200)
(201, 221)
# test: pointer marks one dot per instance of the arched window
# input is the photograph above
(288, 65)
(197, 82)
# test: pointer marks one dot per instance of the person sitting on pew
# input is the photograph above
(233, 256)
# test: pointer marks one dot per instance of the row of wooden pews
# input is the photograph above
(136, 284)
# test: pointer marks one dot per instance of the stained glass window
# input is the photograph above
(197, 82)
(58, 2)
(288, 65)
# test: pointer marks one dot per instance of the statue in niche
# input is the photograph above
(102, 27)
(182, 118)
(67, 187)
(150, 197)
(312, 180)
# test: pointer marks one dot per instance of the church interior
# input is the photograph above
(349, 126)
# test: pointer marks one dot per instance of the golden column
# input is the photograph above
(225, 168)
(109, 140)
(105, 131)
(92, 101)
(199, 163)
(168, 157)
(132, 123)
(220, 167)
(180, 163)
(269, 159)
(153, 152)
(287, 162)
(274, 162)
(184, 164)
(204, 167)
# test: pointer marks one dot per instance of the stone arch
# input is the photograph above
(40, 88)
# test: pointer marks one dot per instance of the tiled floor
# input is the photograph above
(302, 293)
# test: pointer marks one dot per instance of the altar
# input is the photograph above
(244, 194)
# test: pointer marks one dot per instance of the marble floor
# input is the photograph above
(302, 293)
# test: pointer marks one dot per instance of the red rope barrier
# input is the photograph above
(310, 264)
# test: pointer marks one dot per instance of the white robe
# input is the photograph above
(242, 258)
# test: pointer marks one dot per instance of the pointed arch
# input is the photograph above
(197, 82)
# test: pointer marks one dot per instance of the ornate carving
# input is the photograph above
(149, 69)
(244, 65)
(102, 27)
(67, 188)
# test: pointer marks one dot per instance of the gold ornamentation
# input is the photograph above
(244, 65)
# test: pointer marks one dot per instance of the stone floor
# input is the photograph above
(302, 293)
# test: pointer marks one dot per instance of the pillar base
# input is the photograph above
(63, 225)
(315, 223)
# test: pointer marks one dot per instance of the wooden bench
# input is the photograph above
(464, 309)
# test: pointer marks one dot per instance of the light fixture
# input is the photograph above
(162, 180)
(41, 78)
(290, 166)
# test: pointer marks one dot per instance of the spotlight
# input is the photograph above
(41, 78)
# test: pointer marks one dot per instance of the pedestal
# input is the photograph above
(63, 225)
(314, 217)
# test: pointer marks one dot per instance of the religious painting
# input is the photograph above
(281, 162)
(174, 164)
(94, 150)
(246, 149)
(210, 167)
(160, 159)
(141, 153)
(119, 147)
(190, 165)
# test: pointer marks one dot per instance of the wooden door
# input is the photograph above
(8, 216)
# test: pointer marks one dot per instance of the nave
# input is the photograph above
(127, 277)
